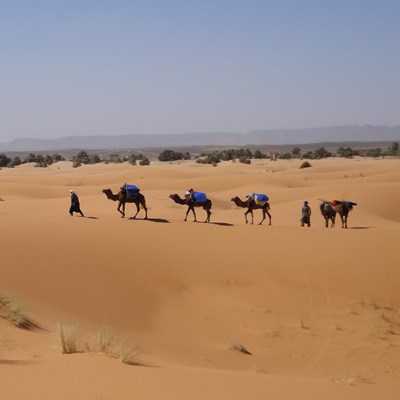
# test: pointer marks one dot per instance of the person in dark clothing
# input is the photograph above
(75, 206)
(305, 214)
(190, 195)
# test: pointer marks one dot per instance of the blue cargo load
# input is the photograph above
(260, 198)
(132, 191)
(199, 197)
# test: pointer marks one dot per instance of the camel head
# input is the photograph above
(238, 202)
(109, 194)
(175, 197)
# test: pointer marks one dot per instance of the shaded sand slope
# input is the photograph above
(317, 308)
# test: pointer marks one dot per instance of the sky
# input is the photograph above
(83, 67)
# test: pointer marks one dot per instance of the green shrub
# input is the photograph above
(171, 155)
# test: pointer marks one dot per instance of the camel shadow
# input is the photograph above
(158, 220)
(91, 217)
(361, 227)
(221, 223)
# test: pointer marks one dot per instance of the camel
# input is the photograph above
(328, 212)
(251, 205)
(344, 208)
(123, 198)
(206, 205)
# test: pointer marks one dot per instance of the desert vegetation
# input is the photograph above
(172, 155)
(12, 310)
(240, 348)
(136, 159)
(71, 340)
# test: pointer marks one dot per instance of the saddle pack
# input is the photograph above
(199, 197)
(132, 191)
(260, 198)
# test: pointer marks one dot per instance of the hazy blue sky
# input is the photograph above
(82, 67)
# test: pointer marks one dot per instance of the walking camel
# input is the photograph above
(328, 212)
(344, 208)
(206, 205)
(251, 205)
(122, 198)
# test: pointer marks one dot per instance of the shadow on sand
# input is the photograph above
(90, 217)
(362, 227)
(31, 325)
(18, 362)
(221, 223)
(158, 220)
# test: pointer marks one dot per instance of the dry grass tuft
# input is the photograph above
(376, 306)
(390, 319)
(67, 338)
(303, 325)
(104, 341)
(351, 380)
(12, 310)
(127, 353)
(239, 347)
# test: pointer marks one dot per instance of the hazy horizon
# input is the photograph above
(119, 68)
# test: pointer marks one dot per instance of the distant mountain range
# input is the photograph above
(366, 133)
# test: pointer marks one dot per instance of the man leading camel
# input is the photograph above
(306, 214)
(75, 206)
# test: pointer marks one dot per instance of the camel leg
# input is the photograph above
(187, 212)
(263, 214)
(245, 216)
(194, 214)
(208, 214)
(137, 210)
(269, 216)
(143, 203)
(123, 209)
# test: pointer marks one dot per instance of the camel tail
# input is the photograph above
(210, 204)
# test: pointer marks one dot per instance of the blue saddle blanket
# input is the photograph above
(199, 197)
(260, 198)
(132, 191)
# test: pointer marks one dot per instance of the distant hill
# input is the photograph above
(366, 133)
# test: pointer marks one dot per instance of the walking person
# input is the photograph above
(75, 206)
(306, 214)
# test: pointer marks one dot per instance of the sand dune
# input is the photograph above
(317, 308)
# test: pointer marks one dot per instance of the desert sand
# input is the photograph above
(318, 308)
